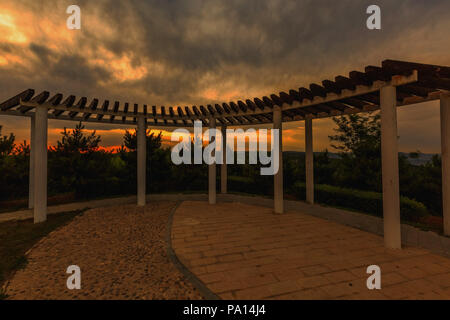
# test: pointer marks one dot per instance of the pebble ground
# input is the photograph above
(122, 254)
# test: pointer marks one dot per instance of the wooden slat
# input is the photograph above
(305, 94)
(203, 111)
(416, 90)
(15, 101)
(361, 78)
(354, 102)
(294, 96)
(249, 119)
(309, 110)
(104, 108)
(240, 119)
(226, 108)
(135, 111)
(259, 103)
(331, 87)
(338, 106)
(232, 121)
(93, 107)
(290, 114)
(437, 83)
(196, 112)
(172, 115)
(163, 112)
(423, 69)
(242, 106)
(68, 103)
(285, 98)
(211, 109)
(56, 99)
(372, 98)
(300, 111)
(317, 90)
(115, 109)
(125, 109)
(181, 114)
(250, 104)
(276, 100)
(39, 99)
(234, 107)
(80, 105)
(219, 109)
(188, 112)
(344, 83)
(377, 73)
(267, 102)
(154, 114)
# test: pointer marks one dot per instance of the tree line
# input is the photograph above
(78, 166)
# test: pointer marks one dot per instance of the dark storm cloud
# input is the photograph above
(254, 44)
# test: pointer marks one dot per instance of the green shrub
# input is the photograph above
(259, 185)
(364, 201)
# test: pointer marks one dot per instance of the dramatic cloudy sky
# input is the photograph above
(184, 52)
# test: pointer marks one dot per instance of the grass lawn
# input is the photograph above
(16, 237)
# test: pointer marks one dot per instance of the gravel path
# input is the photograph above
(122, 254)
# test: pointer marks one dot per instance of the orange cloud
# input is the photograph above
(9, 31)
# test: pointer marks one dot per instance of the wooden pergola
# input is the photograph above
(395, 83)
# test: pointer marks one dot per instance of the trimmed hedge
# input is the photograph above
(262, 186)
(364, 201)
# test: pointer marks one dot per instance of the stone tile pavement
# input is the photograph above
(242, 251)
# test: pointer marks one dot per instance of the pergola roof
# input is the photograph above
(359, 92)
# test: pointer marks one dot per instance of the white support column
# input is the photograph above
(141, 160)
(278, 177)
(445, 151)
(212, 170)
(309, 161)
(40, 165)
(32, 152)
(223, 167)
(389, 159)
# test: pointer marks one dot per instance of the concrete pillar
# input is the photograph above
(445, 150)
(278, 177)
(31, 177)
(223, 169)
(389, 161)
(309, 161)
(212, 170)
(40, 165)
(141, 160)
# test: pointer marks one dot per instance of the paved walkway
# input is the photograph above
(242, 251)
(411, 236)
